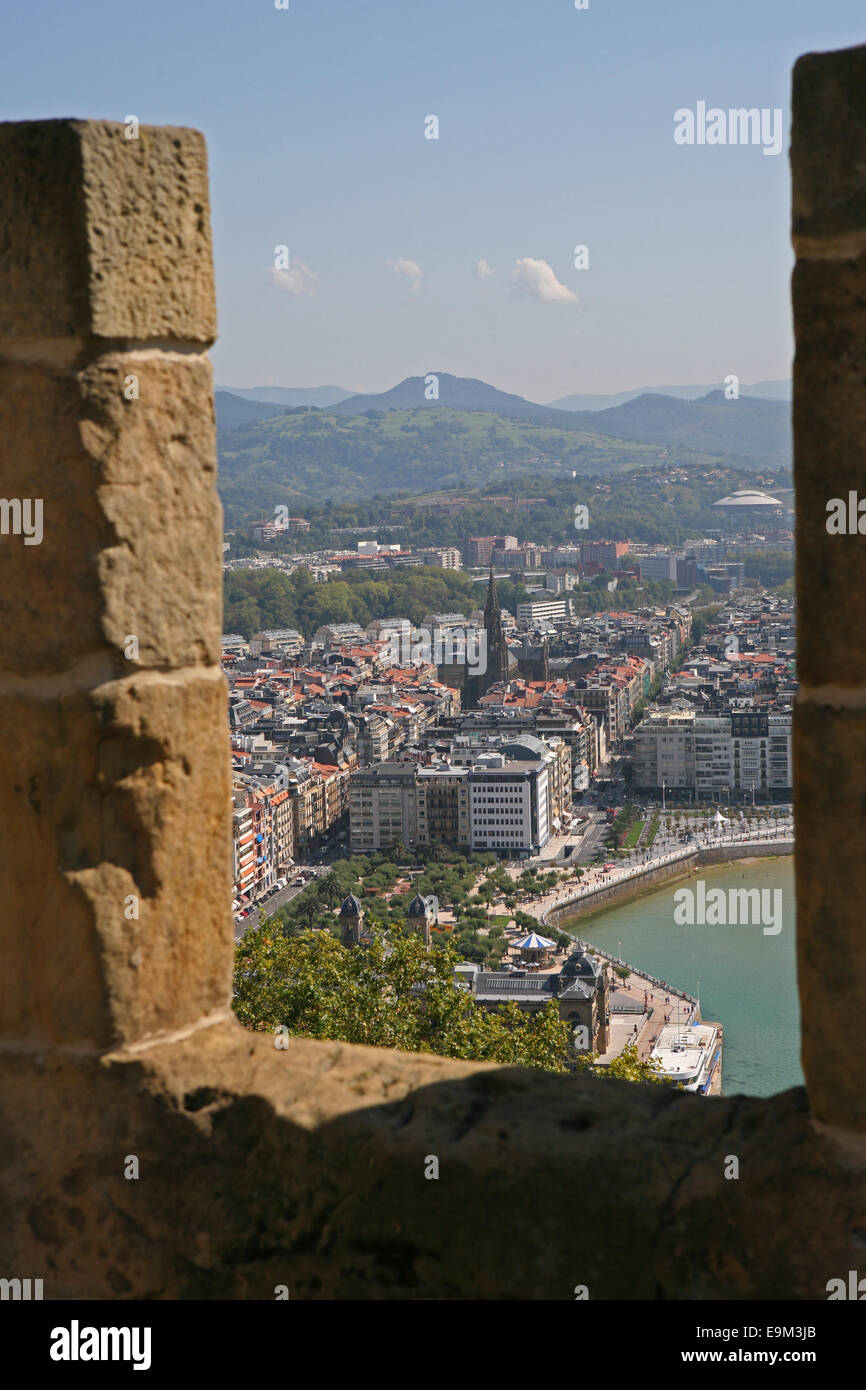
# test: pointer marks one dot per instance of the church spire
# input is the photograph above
(492, 604)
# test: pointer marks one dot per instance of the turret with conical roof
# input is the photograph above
(422, 914)
(351, 921)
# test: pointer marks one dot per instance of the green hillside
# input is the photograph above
(314, 455)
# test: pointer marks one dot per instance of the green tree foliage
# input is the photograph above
(771, 567)
(621, 485)
(255, 600)
(304, 457)
(626, 1067)
(392, 993)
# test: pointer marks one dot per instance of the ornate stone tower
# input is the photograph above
(422, 915)
(351, 921)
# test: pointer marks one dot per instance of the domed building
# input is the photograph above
(352, 931)
(749, 499)
(422, 916)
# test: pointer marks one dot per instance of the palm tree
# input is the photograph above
(329, 888)
(311, 909)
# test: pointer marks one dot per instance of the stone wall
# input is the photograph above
(615, 894)
(258, 1167)
(828, 159)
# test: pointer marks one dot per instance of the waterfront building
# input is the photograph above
(580, 990)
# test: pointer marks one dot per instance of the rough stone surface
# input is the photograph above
(132, 524)
(830, 453)
(828, 157)
(828, 144)
(104, 237)
(830, 777)
(306, 1168)
(122, 790)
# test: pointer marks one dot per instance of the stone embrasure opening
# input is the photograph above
(306, 1167)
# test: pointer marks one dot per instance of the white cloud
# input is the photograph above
(536, 278)
(482, 270)
(299, 280)
(411, 270)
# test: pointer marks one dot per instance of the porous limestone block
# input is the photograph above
(103, 236)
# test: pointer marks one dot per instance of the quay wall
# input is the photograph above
(572, 909)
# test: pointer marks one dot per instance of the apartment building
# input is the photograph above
(662, 565)
(383, 807)
(664, 750)
(542, 611)
(524, 747)
(496, 803)
(611, 703)
(244, 855)
(308, 797)
(478, 550)
(712, 755)
(738, 754)
(443, 805)
(445, 557)
(604, 553)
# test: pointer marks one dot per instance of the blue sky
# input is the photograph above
(555, 129)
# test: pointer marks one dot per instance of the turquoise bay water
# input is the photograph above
(748, 980)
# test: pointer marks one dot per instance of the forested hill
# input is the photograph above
(312, 455)
(760, 430)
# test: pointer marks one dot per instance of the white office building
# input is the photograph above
(508, 805)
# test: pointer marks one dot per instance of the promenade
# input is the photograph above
(641, 1004)
(626, 874)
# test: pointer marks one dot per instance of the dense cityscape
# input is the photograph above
(545, 752)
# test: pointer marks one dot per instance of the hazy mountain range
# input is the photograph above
(399, 441)
(766, 390)
(460, 393)
(290, 396)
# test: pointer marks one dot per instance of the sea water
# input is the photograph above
(747, 977)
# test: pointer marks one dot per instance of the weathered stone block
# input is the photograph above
(106, 796)
(306, 1168)
(828, 144)
(104, 236)
(830, 803)
(131, 519)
